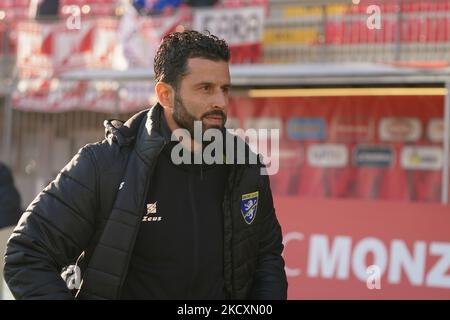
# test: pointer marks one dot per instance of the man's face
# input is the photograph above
(202, 95)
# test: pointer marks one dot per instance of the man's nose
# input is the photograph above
(221, 100)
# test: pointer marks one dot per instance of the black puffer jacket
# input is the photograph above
(83, 210)
(9, 199)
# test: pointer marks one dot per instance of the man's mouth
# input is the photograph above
(215, 119)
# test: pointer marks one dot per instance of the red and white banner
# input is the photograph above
(46, 49)
(349, 249)
(138, 37)
(73, 47)
(35, 47)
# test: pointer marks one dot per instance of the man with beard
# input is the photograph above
(138, 226)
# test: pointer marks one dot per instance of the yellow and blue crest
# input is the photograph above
(249, 205)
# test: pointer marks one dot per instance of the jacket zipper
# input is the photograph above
(142, 208)
(229, 206)
(238, 170)
(195, 226)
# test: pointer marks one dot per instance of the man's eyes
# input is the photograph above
(205, 89)
(208, 88)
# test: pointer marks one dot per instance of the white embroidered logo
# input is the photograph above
(151, 210)
(121, 185)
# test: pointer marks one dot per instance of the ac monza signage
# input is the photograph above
(329, 252)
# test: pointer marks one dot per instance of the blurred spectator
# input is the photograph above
(10, 210)
(158, 6)
(201, 3)
(139, 4)
(47, 8)
(161, 5)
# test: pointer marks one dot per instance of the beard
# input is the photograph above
(185, 119)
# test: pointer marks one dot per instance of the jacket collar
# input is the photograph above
(150, 138)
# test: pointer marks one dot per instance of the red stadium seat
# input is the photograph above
(441, 29)
(335, 32)
(404, 32)
(390, 34)
(353, 33)
(390, 7)
(365, 35)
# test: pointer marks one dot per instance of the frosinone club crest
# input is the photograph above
(249, 205)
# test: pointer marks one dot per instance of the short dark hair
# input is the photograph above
(176, 48)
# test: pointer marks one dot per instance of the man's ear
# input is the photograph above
(165, 94)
